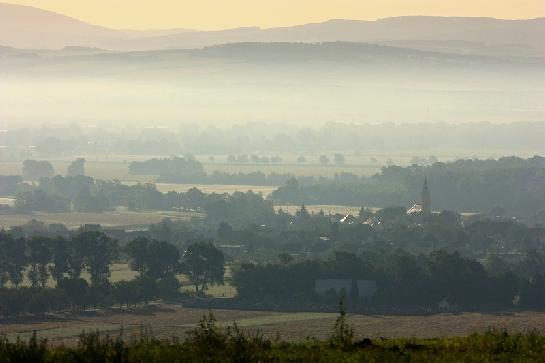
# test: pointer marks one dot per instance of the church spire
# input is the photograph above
(426, 197)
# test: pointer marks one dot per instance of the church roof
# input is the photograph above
(416, 208)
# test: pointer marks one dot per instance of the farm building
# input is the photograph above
(366, 288)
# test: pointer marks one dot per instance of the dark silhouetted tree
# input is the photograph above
(203, 264)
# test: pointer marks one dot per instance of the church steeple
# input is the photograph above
(426, 197)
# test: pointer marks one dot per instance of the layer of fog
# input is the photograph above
(286, 83)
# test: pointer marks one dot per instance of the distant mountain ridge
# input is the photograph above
(28, 27)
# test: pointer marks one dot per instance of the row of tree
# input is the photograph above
(34, 170)
(512, 184)
(217, 177)
(186, 165)
(84, 194)
(403, 280)
(43, 257)
(80, 270)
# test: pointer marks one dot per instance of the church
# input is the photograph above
(425, 206)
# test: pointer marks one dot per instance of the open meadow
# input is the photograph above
(215, 188)
(116, 167)
(118, 218)
(174, 320)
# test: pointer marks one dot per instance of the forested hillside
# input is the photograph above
(516, 185)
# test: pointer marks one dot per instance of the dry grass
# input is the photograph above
(168, 320)
(215, 188)
(7, 201)
(118, 218)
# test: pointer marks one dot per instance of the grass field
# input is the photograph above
(119, 169)
(108, 166)
(117, 166)
(215, 188)
(118, 218)
(7, 201)
(168, 320)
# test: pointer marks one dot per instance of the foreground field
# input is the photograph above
(208, 343)
(174, 320)
(120, 218)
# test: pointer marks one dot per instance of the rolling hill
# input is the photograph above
(28, 27)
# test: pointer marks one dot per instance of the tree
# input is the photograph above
(153, 259)
(126, 292)
(76, 168)
(16, 259)
(225, 231)
(137, 249)
(285, 258)
(147, 288)
(61, 253)
(99, 253)
(275, 159)
(302, 212)
(203, 264)
(38, 302)
(339, 159)
(39, 256)
(324, 160)
(533, 293)
(301, 159)
(5, 241)
(39, 200)
(343, 332)
(76, 290)
(239, 209)
(168, 287)
(34, 170)
(457, 278)
(162, 260)
(243, 158)
(187, 165)
(391, 214)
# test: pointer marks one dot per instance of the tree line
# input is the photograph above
(85, 194)
(76, 272)
(514, 184)
(403, 280)
(186, 165)
(217, 177)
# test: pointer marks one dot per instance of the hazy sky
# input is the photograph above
(220, 14)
